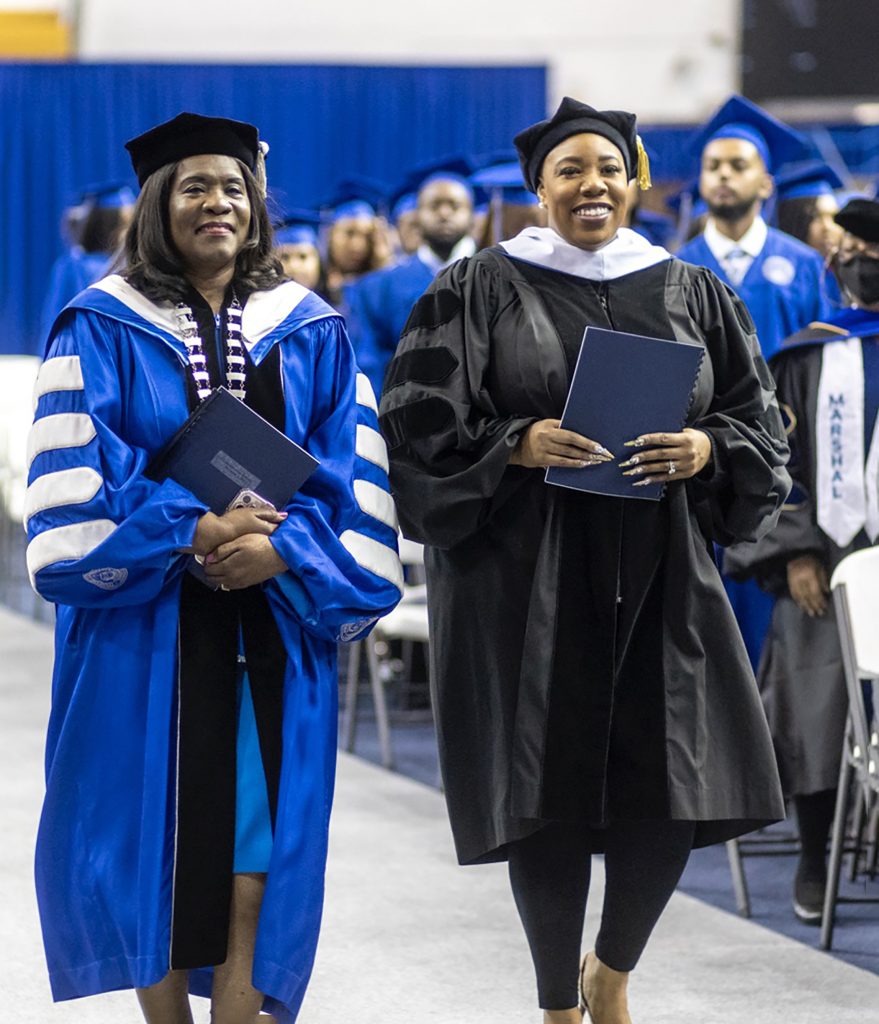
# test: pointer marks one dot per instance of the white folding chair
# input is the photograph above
(408, 621)
(855, 588)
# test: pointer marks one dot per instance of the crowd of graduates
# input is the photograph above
(761, 212)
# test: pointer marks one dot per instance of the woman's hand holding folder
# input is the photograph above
(213, 530)
(668, 457)
(545, 444)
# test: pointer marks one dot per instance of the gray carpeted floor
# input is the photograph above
(408, 935)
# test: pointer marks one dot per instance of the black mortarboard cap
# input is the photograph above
(192, 135)
(575, 118)
(860, 217)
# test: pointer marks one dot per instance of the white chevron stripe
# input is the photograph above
(61, 373)
(66, 543)
(365, 394)
(376, 502)
(374, 556)
(371, 446)
(63, 430)
(66, 487)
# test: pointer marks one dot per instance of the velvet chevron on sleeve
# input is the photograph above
(100, 533)
(103, 545)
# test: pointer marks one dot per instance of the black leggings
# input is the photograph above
(549, 873)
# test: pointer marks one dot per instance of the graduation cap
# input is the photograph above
(107, 195)
(355, 197)
(739, 118)
(860, 217)
(805, 180)
(192, 135)
(505, 182)
(404, 203)
(298, 227)
(446, 168)
(572, 117)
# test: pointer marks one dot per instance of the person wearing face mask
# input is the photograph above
(591, 689)
(380, 303)
(828, 387)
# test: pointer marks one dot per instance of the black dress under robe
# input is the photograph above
(585, 660)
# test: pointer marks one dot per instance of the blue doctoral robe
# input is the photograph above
(783, 290)
(379, 306)
(104, 546)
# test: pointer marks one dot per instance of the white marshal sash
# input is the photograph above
(847, 490)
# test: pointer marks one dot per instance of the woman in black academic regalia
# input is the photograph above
(828, 384)
(592, 690)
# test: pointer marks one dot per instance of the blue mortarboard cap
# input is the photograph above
(358, 196)
(405, 203)
(805, 180)
(353, 209)
(298, 227)
(448, 168)
(507, 179)
(108, 195)
(738, 118)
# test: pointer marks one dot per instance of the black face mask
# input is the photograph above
(860, 278)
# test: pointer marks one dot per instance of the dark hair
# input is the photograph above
(795, 216)
(100, 231)
(150, 262)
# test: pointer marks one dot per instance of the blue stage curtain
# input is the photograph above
(63, 126)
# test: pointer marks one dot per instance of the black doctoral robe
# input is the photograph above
(570, 683)
(800, 675)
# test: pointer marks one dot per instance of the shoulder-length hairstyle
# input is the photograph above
(150, 262)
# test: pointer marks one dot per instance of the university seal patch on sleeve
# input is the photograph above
(350, 630)
(106, 579)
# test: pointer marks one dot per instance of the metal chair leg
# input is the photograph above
(857, 836)
(740, 882)
(381, 706)
(352, 686)
(837, 843)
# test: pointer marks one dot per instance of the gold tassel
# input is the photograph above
(260, 169)
(644, 181)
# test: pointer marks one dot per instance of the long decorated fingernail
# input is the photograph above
(639, 442)
(637, 471)
(599, 449)
(635, 459)
(642, 483)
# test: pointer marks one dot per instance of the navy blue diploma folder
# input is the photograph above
(625, 385)
(225, 448)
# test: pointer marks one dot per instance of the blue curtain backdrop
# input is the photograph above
(62, 126)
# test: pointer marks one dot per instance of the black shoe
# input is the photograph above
(809, 899)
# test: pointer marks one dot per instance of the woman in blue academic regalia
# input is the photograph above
(191, 745)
